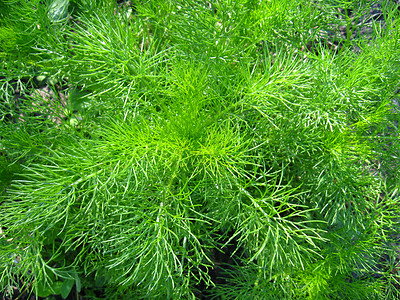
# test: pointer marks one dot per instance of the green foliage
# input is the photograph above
(187, 149)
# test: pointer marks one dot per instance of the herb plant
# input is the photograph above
(200, 149)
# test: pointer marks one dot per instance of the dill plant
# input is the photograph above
(195, 130)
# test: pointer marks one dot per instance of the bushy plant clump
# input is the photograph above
(188, 149)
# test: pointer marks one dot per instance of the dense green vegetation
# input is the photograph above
(192, 149)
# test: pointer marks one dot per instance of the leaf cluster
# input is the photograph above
(187, 149)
